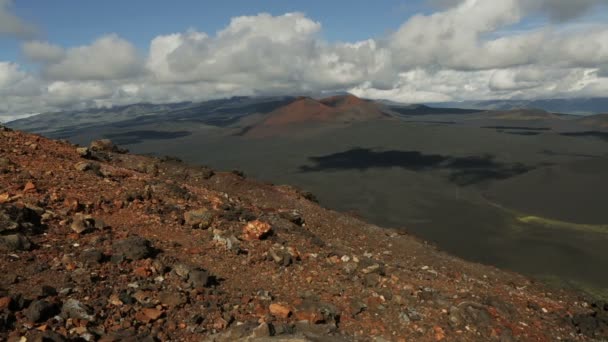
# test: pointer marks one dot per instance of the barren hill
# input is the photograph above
(102, 245)
(598, 120)
(307, 111)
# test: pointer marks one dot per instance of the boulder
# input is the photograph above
(199, 218)
(73, 308)
(103, 145)
(14, 242)
(132, 248)
(40, 311)
(256, 230)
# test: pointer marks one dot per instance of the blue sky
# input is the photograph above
(72, 23)
(104, 53)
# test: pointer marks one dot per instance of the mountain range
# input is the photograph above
(577, 106)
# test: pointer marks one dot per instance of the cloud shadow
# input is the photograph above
(462, 170)
(135, 137)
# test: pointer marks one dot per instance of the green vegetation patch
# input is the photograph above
(545, 222)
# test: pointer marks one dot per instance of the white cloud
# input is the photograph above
(465, 51)
(108, 58)
(561, 10)
(11, 25)
(44, 52)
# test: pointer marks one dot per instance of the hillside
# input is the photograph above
(99, 244)
(218, 113)
(596, 121)
(338, 109)
(519, 114)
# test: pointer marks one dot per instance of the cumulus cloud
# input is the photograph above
(556, 10)
(561, 10)
(265, 54)
(11, 25)
(108, 58)
(43, 52)
(465, 51)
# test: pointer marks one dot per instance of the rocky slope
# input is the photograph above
(102, 245)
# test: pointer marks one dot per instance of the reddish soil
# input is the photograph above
(102, 245)
(304, 110)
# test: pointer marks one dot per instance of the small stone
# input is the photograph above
(357, 307)
(14, 242)
(145, 167)
(262, 330)
(182, 270)
(83, 152)
(311, 316)
(256, 230)
(83, 166)
(293, 216)
(142, 271)
(350, 267)
(199, 219)
(413, 314)
(198, 278)
(172, 299)
(279, 310)
(115, 300)
(404, 318)
(40, 311)
(75, 309)
(230, 242)
(145, 298)
(29, 187)
(92, 256)
(152, 313)
(534, 306)
(82, 223)
(439, 333)
(133, 248)
(105, 145)
(5, 303)
(371, 280)
(47, 291)
(4, 197)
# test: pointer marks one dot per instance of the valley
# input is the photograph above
(518, 189)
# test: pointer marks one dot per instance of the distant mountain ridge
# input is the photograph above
(580, 106)
(245, 113)
(221, 112)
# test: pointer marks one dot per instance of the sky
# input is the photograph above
(70, 54)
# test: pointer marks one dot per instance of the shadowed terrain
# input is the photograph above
(135, 137)
(592, 134)
(463, 170)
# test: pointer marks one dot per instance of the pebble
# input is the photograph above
(73, 308)
(279, 310)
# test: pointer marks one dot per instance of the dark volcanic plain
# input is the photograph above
(521, 189)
